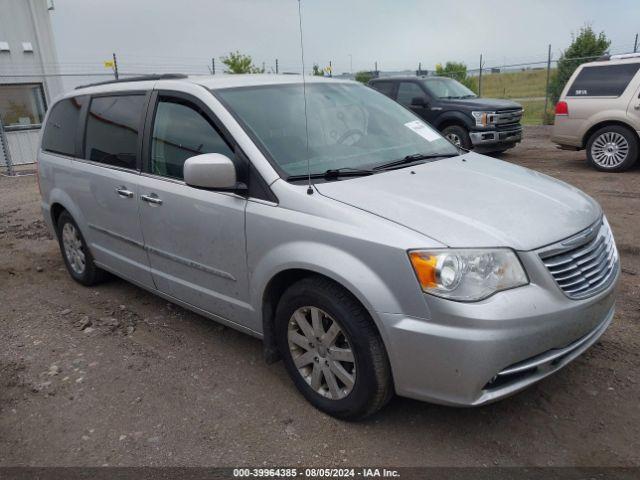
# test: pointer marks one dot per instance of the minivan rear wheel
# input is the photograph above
(612, 148)
(77, 256)
(332, 350)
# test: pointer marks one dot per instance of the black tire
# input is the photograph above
(90, 275)
(373, 386)
(613, 131)
(498, 152)
(459, 132)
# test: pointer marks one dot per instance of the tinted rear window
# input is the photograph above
(112, 130)
(60, 132)
(384, 87)
(605, 81)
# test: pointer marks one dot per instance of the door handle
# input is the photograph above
(637, 106)
(123, 192)
(151, 198)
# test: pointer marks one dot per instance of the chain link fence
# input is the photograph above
(526, 82)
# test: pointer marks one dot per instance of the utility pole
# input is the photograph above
(213, 66)
(277, 66)
(115, 66)
(635, 44)
(419, 68)
(330, 69)
(546, 91)
(480, 78)
(377, 72)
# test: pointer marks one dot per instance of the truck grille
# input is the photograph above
(585, 264)
(505, 117)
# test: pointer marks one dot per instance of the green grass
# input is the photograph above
(522, 84)
(533, 112)
(527, 87)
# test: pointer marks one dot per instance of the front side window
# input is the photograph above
(407, 91)
(350, 126)
(180, 131)
(21, 106)
(603, 81)
(112, 130)
(60, 132)
(447, 88)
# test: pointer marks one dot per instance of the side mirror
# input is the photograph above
(211, 170)
(419, 102)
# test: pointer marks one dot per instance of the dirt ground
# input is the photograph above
(114, 375)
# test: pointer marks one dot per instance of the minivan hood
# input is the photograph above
(472, 201)
(493, 104)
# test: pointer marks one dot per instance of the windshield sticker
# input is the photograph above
(423, 130)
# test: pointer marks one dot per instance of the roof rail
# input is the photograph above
(141, 78)
(622, 56)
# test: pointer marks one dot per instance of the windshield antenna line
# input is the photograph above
(304, 94)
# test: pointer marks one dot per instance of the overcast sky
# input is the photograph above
(183, 35)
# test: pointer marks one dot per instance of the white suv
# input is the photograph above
(599, 110)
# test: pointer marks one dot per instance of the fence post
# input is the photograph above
(480, 78)
(546, 90)
(115, 66)
(4, 146)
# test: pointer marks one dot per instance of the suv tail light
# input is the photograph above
(562, 108)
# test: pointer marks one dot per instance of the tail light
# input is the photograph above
(562, 108)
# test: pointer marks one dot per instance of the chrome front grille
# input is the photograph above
(584, 264)
(505, 117)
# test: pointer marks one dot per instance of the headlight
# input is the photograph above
(483, 119)
(467, 275)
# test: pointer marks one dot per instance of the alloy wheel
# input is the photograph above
(455, 139)
(73, 248)
(321, 352)
(609, 149)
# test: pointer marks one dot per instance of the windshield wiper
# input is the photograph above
(334, 173)
(416, 157)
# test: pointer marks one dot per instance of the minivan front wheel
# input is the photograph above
(332, 350)
(612, 149)
(76, 254)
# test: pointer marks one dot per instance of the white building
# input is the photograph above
(28, 64)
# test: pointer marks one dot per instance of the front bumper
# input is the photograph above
(495, 138)
(468, 354)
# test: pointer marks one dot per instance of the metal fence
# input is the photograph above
(523, 80)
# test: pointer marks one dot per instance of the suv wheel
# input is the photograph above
(612, 149)
(458, 136)
(76, 254)
(331, 349)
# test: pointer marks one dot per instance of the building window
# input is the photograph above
(22, 106)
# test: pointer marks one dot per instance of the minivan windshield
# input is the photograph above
(350, 126)
(443, 87)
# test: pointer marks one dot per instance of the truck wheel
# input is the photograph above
(458, 136)
(612, 149)
(332, 350)
(76, 254)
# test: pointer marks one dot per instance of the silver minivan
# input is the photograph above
(367, 252)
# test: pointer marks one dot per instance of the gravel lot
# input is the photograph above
(116, 376)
